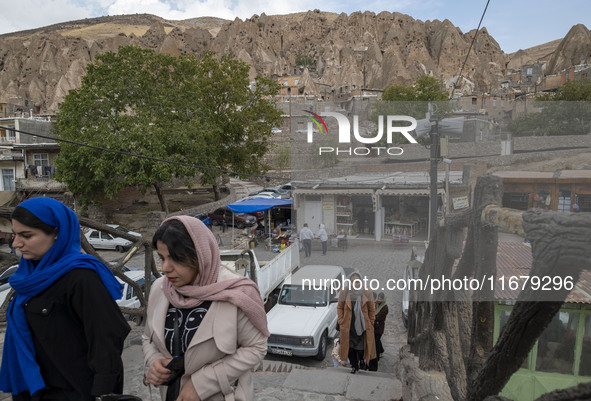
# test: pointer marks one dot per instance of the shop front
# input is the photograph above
(397, 214)
(344, 211)
(404, 213)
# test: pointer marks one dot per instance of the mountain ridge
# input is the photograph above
(362, 50)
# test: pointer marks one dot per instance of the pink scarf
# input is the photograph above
(240, 291)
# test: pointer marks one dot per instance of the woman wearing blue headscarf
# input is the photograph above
(65, 332)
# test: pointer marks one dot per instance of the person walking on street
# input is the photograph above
(379, 326)
(321, 234)
(224, 223)
(206, 327)
(306, 236)
(10, 241)
(65, 332)
(356, 314)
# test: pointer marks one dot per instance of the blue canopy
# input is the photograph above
(257, 205)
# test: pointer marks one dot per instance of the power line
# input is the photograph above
(470, 48)
(121, 152)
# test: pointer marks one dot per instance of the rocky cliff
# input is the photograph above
(357, 50)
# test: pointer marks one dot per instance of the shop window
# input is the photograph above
(585, 366)
(542, 199)
(556, 345)
(564, 200)
(519, 201)
(583, 202)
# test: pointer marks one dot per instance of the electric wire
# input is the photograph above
(470, 48)
(157, 159)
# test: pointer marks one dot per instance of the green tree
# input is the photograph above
(412, 100)
(282, 159)
(239, 116)
(138, 102)
(565, 112)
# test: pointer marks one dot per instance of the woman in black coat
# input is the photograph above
(65, 332)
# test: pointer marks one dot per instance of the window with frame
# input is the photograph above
(584, 202)
(564, 200)
(41, 159)
(556, 345)
(519, 201)
(560, 348)
(585, 362)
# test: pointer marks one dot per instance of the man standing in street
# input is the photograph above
(321, 234)
(306, 236)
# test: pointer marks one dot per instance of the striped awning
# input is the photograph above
(407, 191)
(332, 191)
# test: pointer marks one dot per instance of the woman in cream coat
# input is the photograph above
(224, 332)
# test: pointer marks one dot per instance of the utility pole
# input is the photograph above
(434, 160)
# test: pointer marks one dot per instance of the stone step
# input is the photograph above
(279, 367)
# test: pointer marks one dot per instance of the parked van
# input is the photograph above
(305, 315)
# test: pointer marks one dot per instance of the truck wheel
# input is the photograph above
(321, 348)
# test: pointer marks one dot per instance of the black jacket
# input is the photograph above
(78, 332)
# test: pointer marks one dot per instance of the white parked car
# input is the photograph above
(411, 272)
(4, 285)
(102, 240)
(305, 317)
(5, 276)
(129, 298)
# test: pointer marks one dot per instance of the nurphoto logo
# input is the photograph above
(344, 134)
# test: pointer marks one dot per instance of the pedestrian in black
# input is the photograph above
(10, 241)
(224, 223)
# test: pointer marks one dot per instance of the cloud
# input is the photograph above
(228, 9)
(30, 14)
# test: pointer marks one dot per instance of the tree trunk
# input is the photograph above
(161, 198)
(488, 191)
(217, 194)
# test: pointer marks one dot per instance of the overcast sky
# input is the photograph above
(515, 24)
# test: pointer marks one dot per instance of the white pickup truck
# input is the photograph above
(306, 314)
(267, 275)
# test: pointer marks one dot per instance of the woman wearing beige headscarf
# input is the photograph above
(206, 327)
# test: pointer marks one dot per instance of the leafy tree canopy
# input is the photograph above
(565, 112)
(180, 110)
(412, 100)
